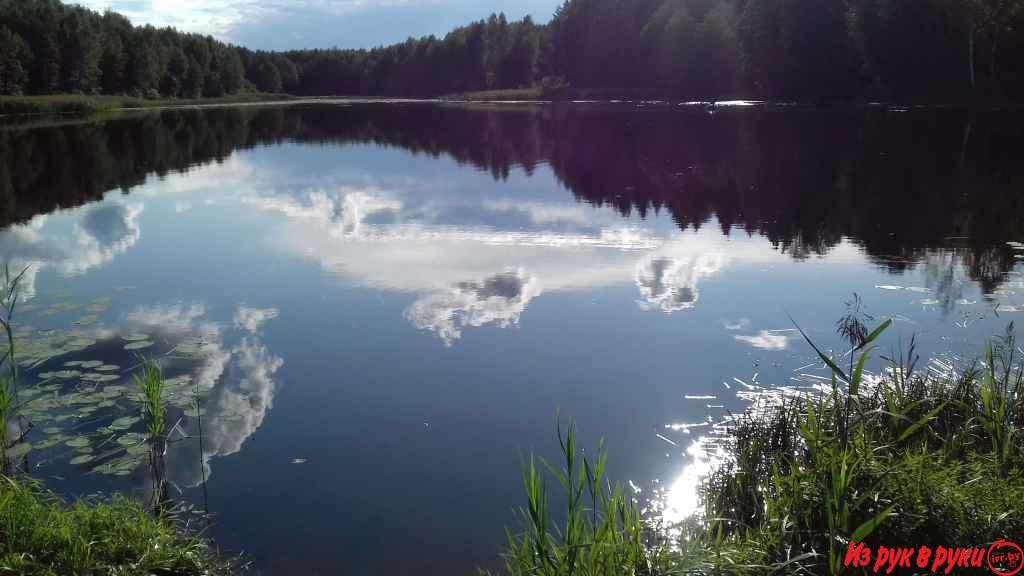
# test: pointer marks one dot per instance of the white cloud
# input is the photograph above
(220, 18)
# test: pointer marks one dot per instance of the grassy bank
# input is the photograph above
(908, 458)
(85, 104)
(40, 535)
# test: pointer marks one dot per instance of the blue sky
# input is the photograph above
(286, 24)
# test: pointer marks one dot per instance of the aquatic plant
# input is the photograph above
(602, 533)
(154, 413)
(9, 378)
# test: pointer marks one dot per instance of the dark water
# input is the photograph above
(382, 306)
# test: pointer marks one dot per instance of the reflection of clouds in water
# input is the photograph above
(741, 324)
(238, 408)
(104, 232)
(98, 235)
(251, 319)
(234, 410)
(175, 318)
(344, 210)
(500, 299)
(767, 339)
(372, 215)
(237, 381)
(180, 321)
(670, 284)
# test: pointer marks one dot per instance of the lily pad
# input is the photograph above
(73, 363)
(138, 449)
(135, 337)
(124, 422)
(131, 439)
(80, 343)
(78, 442)
(52, 430)
(81, 459)
(92, 364)
(50, 442)
(139, 345)
(108, 368)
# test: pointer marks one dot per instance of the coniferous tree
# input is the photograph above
(15, 60)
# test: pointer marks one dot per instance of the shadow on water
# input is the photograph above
(896, 182)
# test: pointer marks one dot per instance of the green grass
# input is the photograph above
(81, 104)
(907, 458)
(41, 536)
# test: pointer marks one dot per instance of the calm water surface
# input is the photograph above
(382, 306)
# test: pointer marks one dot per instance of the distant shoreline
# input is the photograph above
(79, 105)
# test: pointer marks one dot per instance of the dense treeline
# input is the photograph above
(811, 50)
(803, 179)
(48, 47)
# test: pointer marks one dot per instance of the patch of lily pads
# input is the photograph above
(85, 411)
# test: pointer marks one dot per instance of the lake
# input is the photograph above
(381, 307)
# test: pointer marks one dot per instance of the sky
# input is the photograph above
(290, 24)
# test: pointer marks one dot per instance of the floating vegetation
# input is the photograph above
(139, 345)
(124, 422)
(77, 442)
(132, 439)
(86, 320)
(79, 406)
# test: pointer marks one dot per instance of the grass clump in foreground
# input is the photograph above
(40, 535)
(902, 459)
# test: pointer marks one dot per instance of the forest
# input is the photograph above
(916, 51)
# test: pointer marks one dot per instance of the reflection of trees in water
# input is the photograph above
(896, 183)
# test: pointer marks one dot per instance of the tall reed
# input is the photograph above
(154, 413)
(599, 532)
(9, 377)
